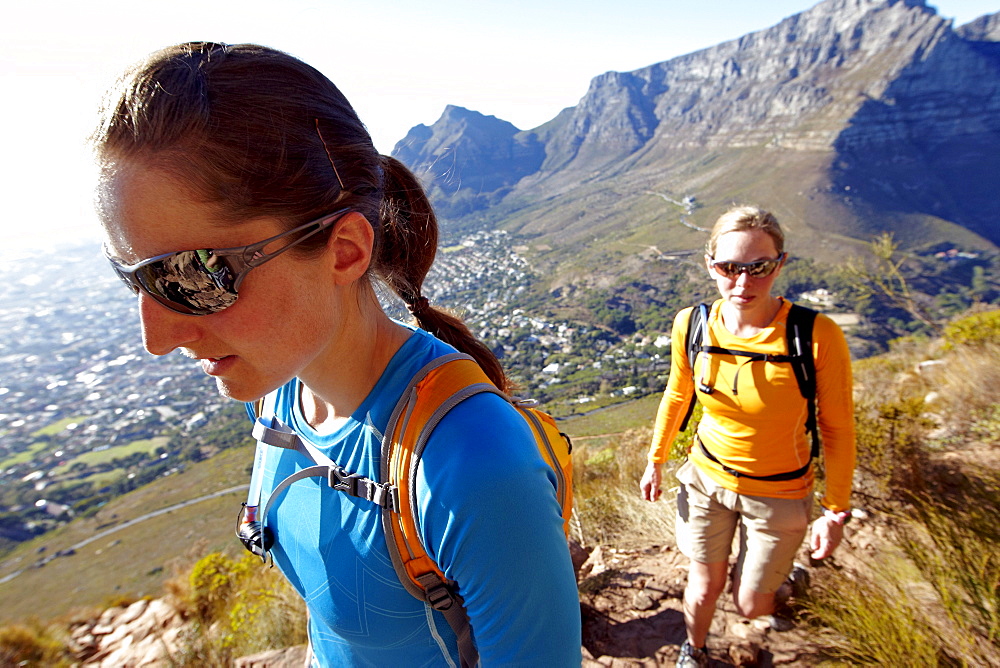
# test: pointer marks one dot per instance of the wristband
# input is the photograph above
(841, 518)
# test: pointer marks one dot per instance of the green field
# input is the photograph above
(136, 560)
(147, 445)
(24, 456)
(56, 427)
(29, 453)
(613, 419)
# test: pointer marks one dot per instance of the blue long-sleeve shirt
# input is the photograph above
(488, 516)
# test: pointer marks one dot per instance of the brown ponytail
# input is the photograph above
(263, 133)
(405, 255)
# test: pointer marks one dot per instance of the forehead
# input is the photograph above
(147, 211)
(745, 246)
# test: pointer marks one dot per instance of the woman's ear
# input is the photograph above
(781, 265)
(350, 247)
(708, 265)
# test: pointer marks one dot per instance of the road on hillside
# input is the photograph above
(129, 523)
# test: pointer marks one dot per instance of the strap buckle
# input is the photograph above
(437, 592)
(356, 485)
(384, 495)
(339, 479)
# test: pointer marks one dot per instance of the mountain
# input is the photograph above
(853, 117)
(984, 29)
(476, 159)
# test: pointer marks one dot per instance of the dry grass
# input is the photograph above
(237, 607)
(33, 644)
(932, 598)
(928, 460)
(872, 621)
(609, 508)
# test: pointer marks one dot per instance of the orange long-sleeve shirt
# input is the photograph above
(760, 428)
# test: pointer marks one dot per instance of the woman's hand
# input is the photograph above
(650, 483)
(826, 536)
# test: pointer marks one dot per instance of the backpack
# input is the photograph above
(438, 387)
(798, 333)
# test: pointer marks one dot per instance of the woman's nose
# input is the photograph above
(164, 330)
(743, 278)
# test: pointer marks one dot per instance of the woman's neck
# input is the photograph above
(746, 323)
(333, 389)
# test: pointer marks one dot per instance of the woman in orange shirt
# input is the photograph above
(753, 427)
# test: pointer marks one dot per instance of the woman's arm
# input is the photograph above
(672, 409)
(489, 517)
(835, 404)
(677, 395)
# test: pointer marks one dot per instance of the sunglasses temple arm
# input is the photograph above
(253, 257)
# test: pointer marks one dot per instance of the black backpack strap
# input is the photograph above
(799, 332)
(799, 335)
(789, 475)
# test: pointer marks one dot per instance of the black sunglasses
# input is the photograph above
(200, 282)
(756, 269)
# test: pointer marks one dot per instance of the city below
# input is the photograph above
(83, 406)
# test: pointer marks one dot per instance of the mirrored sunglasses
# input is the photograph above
(204, 281)
(756, 269)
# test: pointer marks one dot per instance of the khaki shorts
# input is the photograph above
(771, 530)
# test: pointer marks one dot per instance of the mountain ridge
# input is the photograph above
(848, 119)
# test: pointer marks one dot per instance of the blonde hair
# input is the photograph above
(741, 218)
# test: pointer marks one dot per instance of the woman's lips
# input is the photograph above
(217, 366)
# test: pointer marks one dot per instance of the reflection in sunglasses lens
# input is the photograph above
(758, 269)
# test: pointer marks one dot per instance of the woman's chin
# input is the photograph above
(234, 391)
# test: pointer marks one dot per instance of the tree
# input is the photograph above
(887, 278)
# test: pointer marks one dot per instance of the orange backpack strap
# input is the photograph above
(557, 451)
(433, 391)
(437, 388)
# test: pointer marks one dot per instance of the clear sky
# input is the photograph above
(400, 63)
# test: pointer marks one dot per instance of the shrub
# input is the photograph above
(977, 329)
(240, 607)
(31, 645)
(890, 458)
(214, 581)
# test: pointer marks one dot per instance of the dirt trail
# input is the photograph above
(632, 616)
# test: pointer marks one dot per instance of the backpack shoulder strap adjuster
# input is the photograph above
(438, 594)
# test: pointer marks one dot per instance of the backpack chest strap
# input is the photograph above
(273, 432)
(753, 356)
(750, 356)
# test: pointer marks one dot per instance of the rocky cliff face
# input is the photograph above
(467, 159)
(984, 29)
(930, 141)
(877, 109)
(794, 85)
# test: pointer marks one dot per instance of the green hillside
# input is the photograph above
(136, 560)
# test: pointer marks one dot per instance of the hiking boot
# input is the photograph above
(692, 657)
(796, 585)
(799, 579)
(777, 623)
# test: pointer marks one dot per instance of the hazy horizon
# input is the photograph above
(400, 65)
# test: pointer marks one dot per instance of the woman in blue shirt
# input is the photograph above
(244, 153)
